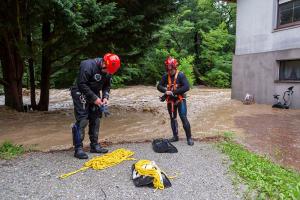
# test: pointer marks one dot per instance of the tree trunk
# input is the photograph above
(13, 68)
(30, 59)
(11, 36)
(31, 73)
(197, 62)
(46, 68)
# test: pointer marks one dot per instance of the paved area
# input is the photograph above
(202, 175)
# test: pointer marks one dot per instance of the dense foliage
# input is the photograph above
(200, 33)
(42, 43)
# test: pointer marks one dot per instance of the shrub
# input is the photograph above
(217, 78)
(186, 66)
(9, 150)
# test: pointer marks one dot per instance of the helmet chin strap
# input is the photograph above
(99, 61)
(170, 72)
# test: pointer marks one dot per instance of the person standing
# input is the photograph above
(174, 85)
(95, 75)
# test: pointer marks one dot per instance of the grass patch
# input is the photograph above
(9, 150)
(266, 179)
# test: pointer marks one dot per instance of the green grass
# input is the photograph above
(266, 179)
(9, 150)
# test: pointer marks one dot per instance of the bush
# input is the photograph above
(153, 64)
(217, 78)
(186, 66)
(1, 91)
(154, 68)
(60, 80)
(9, 150)
(117, 82)
(128, 75)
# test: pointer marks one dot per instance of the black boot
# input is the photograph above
(79, 153)
(96, 148)
(190, 141)
(78, 134)
(174, 139)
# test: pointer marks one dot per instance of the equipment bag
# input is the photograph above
(163, 146)
(147, 173)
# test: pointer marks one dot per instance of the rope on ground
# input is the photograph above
(105, 161)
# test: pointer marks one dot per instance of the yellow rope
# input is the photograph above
(154, 172)
(105, 161)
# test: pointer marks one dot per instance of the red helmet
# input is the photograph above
(112, 62)
(171, 63)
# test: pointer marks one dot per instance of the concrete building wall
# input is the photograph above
(255, 30)
(259, 48)
(258, 74)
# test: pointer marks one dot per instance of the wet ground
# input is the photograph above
(138, 115)
(35, 176)
(274, 133)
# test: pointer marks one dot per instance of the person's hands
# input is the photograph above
(105, 101)
(169, 93)
(98, 102)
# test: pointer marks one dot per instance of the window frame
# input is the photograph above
(281, 64)
(291, 24)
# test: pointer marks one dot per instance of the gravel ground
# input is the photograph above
(203, 174)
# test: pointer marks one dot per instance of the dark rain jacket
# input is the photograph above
(181, 81)
(91, 80)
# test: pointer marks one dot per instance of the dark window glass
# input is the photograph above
(297, 13)
(289, 13)
(286, 16)
(289, 70)
(286, 6)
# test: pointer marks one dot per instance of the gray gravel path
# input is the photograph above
(202, 175)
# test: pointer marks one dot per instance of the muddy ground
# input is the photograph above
(138, 115)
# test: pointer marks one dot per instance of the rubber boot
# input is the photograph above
(96, 148)
(190, 141)
(174, 126)
(77, 142)
(79, 153)
(94, 123)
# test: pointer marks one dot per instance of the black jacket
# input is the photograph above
(91, 81)
(182, 84)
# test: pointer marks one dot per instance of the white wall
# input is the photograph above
(255, 74)
(256, 20)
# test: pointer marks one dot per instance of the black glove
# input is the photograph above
(104, 109)
(164, 97)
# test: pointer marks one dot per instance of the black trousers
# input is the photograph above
(85, 114)
(181, 108)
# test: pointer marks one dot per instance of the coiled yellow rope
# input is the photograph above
(105, 161)
(154, 172)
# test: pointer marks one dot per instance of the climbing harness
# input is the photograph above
(146, 172)
(82, 100)
(172, 87)
(105, 161)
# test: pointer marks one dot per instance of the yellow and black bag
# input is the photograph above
(147, 173)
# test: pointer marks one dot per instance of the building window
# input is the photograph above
(289, 70)
(288, 13)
